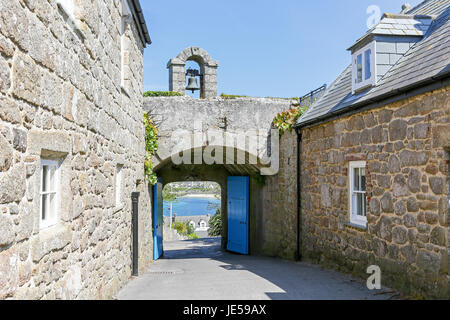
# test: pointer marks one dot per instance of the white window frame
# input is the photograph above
(119, 179)
(365, 83)
(126, 18)
(69, 8)
(354, 217)
(52, 215)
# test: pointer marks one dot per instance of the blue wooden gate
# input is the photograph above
(157, 220)
(238, 214)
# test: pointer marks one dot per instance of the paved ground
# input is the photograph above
(199, 270)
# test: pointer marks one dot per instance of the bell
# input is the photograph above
(192, 84)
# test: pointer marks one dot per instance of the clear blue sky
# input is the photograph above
(283, 48)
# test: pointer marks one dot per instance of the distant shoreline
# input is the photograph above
(196, 196)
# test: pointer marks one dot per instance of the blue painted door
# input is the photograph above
(157, 220)
(238, 214)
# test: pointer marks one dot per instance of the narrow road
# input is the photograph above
(199, 270)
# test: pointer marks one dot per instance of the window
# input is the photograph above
(68, 7)
(358, 200)
(364, 67)
(119, 186)
(126, 17)
(367, 69)
(359, 68)
(49, 193)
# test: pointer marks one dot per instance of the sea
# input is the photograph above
(192, 207)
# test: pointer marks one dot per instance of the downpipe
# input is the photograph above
(135, 231)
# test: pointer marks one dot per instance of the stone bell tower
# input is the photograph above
(208, 71)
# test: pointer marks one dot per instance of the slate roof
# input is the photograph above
(426, 62)
(135, 6)
(398, 25)
(430, 7)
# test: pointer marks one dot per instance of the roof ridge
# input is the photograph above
(406, 16)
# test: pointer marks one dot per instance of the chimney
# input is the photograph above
(405, 8)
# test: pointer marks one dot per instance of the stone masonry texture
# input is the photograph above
(406, 147)
(230, 116)
(279, 204)
(61, 97)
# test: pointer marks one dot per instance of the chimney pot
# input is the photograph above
(406, 7)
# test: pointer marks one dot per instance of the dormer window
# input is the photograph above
(364, 67)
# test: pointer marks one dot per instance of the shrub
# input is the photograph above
(286, 121)
(185, 229)
(193, 236)
(180, 227)
(162, 94)
(231, 96)
(215, 225)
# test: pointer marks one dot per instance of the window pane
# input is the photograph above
(363, 179)
(356, 179)
(51, 207)
(359, 68)
(44, 204)
(359, 204)
(367, 64)
(45, 178)
(354, 203)
(364, 214)
(51, 179)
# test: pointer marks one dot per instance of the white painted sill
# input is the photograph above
(72, 20)
(125, 90)
(356, 226)
(119, 208)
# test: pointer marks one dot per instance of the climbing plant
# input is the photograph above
(151, 146)
(286, 121)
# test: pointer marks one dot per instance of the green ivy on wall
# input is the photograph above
(151, 146)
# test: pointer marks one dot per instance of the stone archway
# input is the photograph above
(208, 68)
(219, 173)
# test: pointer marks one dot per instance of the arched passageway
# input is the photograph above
(169, 172)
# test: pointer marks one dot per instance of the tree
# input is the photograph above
(170, 197)
(215, 225)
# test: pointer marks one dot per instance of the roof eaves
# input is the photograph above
(426, 85)
(140, 20)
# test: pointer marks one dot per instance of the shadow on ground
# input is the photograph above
(199, 270)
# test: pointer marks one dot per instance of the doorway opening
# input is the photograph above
(192, 210)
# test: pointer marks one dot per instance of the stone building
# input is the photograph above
(375, 154)
(71, 147)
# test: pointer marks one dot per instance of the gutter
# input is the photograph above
(433, 83)
(136, 8)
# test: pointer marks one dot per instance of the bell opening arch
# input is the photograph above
(208, 71)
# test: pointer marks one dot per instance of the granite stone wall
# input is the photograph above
(61, 97)
(279, 204)
(405, 145)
